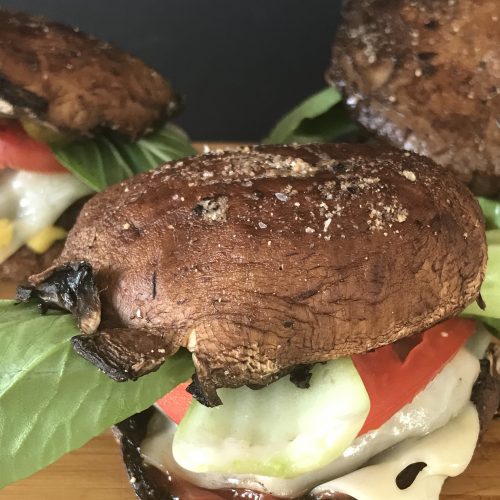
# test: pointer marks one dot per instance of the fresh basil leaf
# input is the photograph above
(490, 289)
(106, 160)
(320, 118)
(334, 125)
(52, 401)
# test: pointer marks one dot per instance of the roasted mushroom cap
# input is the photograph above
(75, 82)
(263, 259)
(150, 483)
(426, 76)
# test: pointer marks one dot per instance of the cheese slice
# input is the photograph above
(445, 452)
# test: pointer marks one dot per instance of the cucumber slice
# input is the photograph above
(280, 430)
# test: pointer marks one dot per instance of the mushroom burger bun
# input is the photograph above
(426, 76)
(76, 115)
(317, 288)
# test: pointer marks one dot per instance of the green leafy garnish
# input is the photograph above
(490, 289)
(51, 400)
(320, 118)
(105, 160)
(491, 212)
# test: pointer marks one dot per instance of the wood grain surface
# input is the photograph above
(95, 472)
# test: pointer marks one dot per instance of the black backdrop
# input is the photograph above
(240, 64)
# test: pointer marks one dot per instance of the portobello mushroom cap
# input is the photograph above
(426, 76)
(265, 258)
(151, 483)
(75, 82)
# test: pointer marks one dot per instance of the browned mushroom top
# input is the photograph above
(262, 259)
(426, 75)
(75, 82)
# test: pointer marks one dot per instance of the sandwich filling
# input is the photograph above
(30, 204)
(44, 171)
(35, 190)
(426, 440)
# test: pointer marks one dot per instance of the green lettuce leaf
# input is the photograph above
(106, 159)
(51, 400)
(320, 118)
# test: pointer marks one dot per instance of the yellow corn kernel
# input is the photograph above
(6, 232)
(45, 238)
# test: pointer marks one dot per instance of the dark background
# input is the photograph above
(240, 64)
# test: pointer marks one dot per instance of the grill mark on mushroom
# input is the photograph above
(306, 294)
(153, 284)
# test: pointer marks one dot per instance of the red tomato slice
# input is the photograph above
(392, 382)
(176, 403)
(393, 375)
(21, 152)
